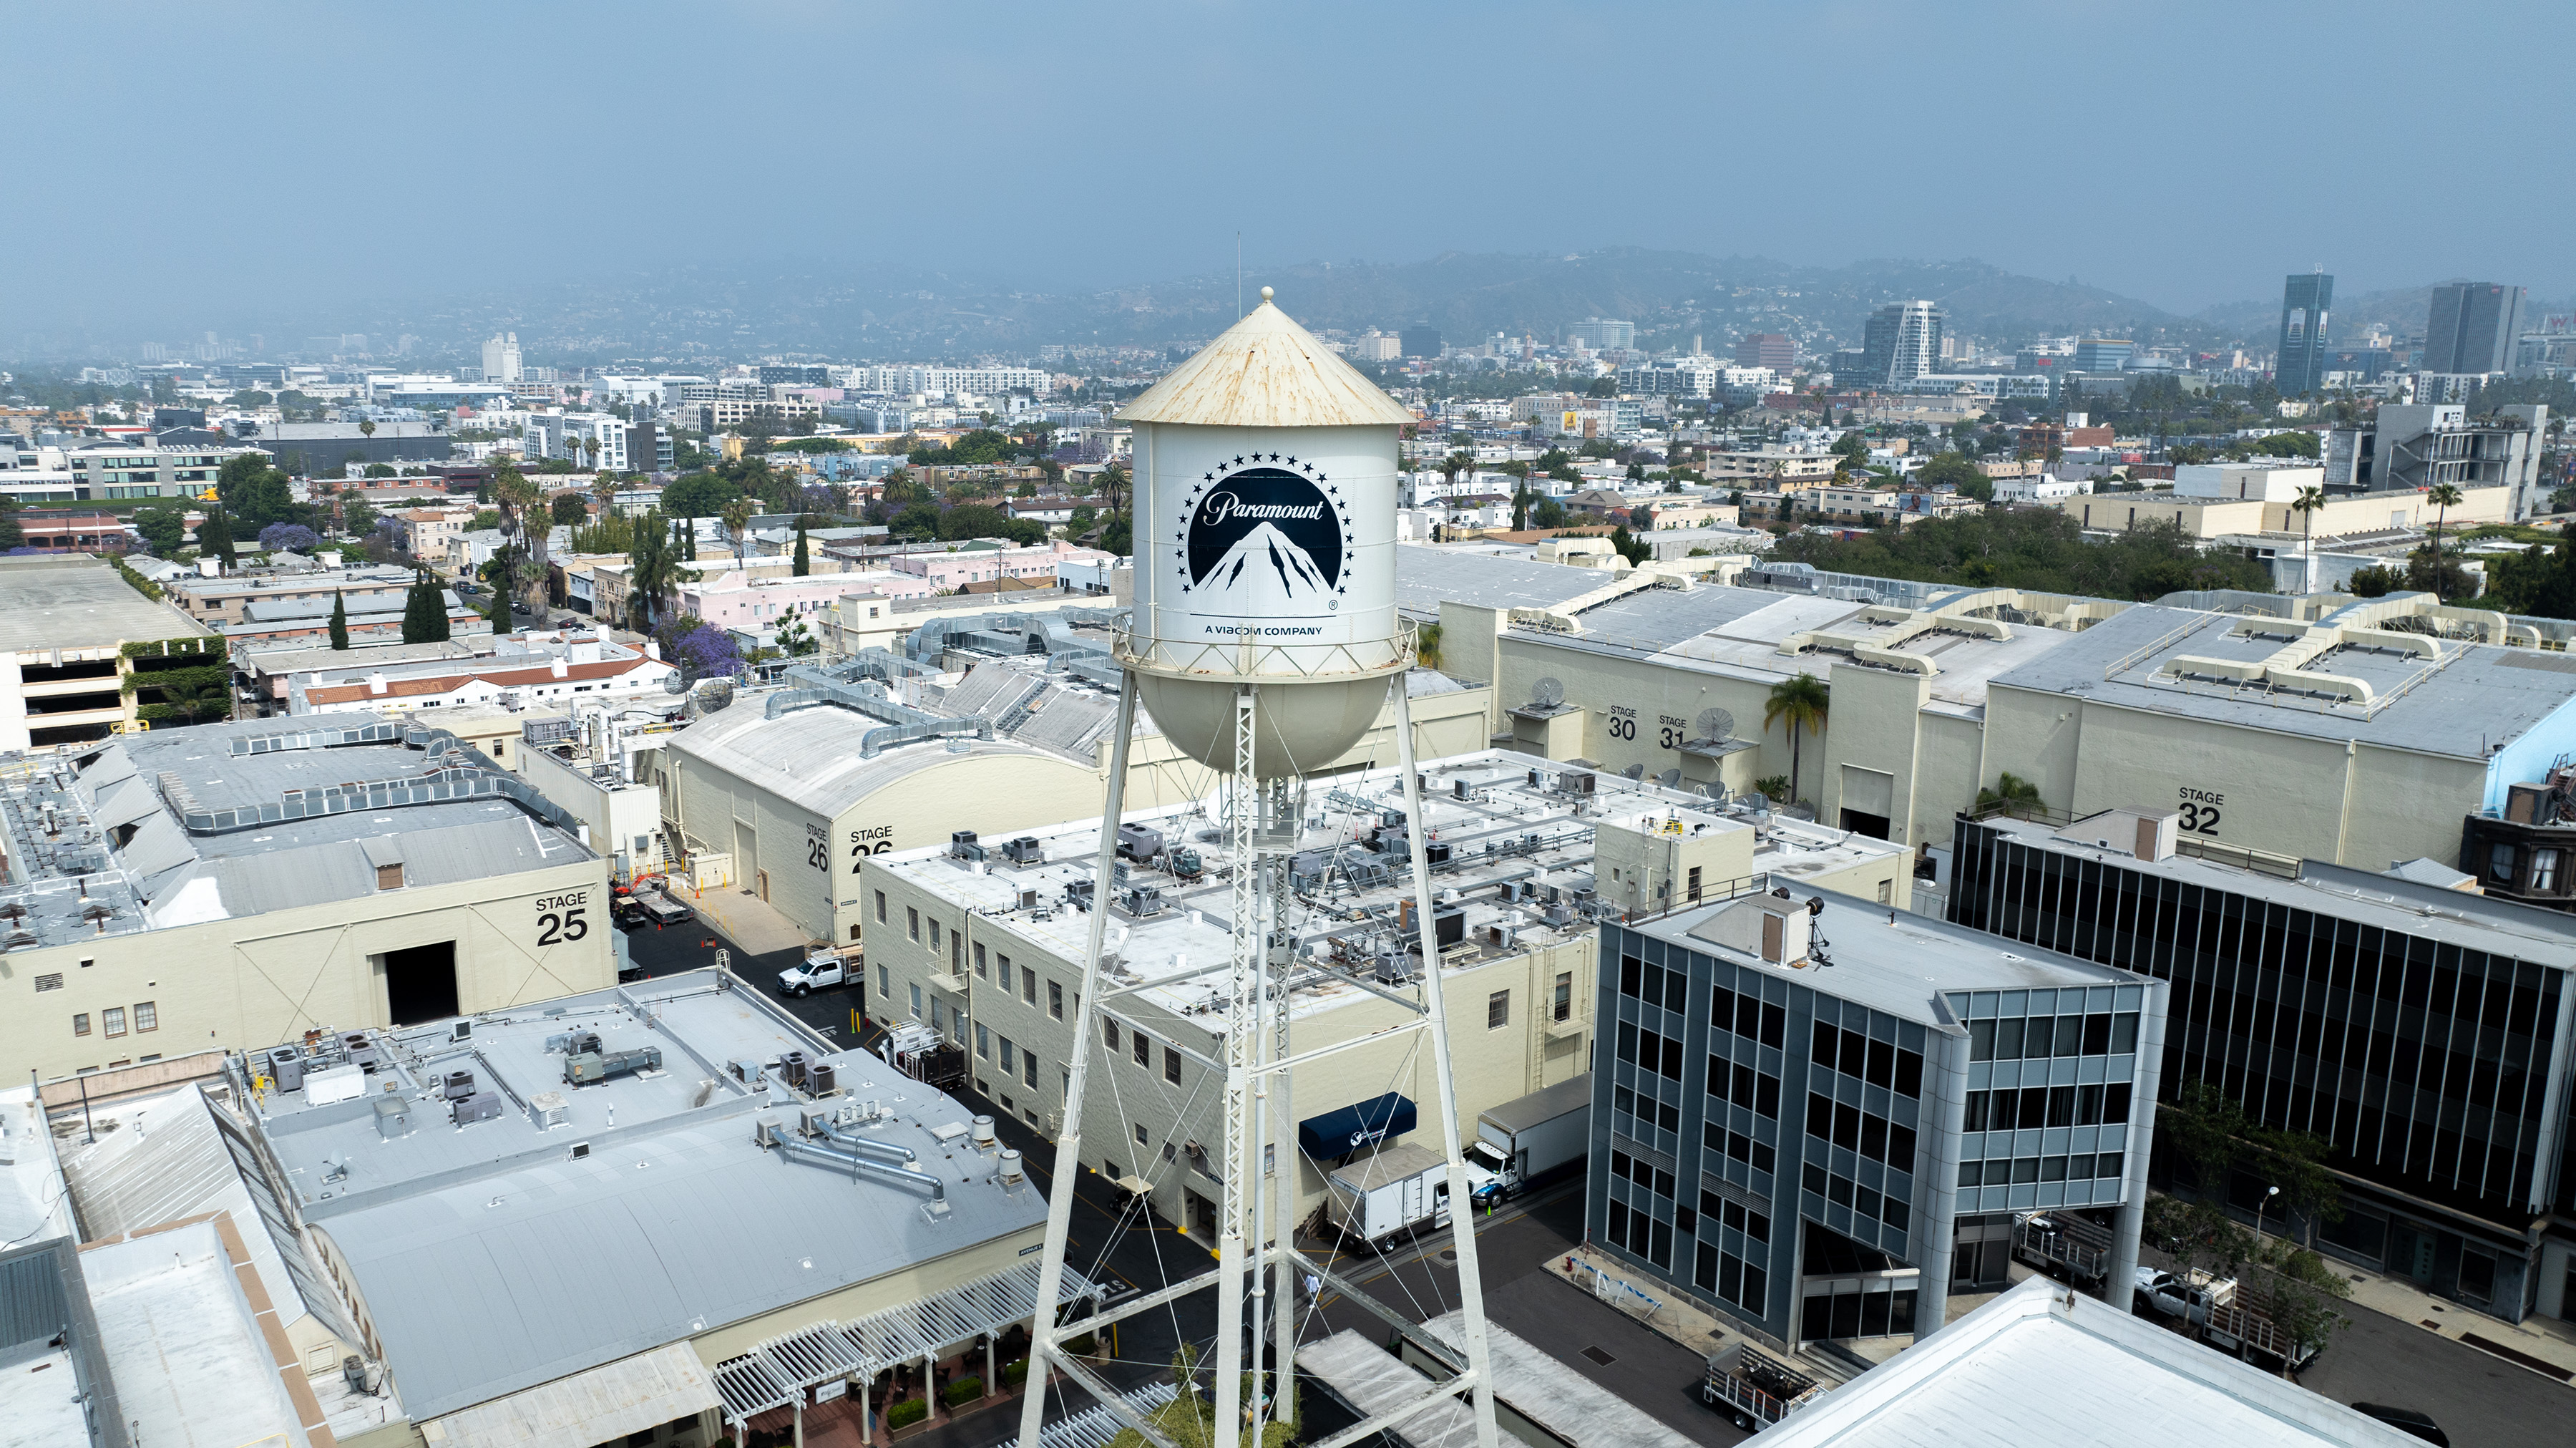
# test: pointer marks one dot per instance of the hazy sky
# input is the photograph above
(180, 165)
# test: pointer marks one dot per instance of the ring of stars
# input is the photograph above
(1340, 504)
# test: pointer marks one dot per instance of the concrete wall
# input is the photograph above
(259, 980)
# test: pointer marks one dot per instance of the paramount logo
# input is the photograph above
(1221, 506)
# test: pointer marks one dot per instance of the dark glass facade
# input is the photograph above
(2424, 1059)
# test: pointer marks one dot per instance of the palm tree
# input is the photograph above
(520, 501)
(191, 700)
(2306, 505)
(2442, 496)
(651, 569)
(2012, 795)
(368, 428)
(590, 446)
(1450, 467)
(1802, 703)
(737, 521)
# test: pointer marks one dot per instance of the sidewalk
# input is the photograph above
(2549, 1342)
(751, 924)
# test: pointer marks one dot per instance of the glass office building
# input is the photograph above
(2423, 1031)
(1822, 1116)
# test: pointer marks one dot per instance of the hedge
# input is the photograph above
(962, 1390)
(1015, 1373)
(204, 676)
(190, 644)
(907, 1413)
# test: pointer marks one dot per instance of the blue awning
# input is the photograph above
(1337, 1134)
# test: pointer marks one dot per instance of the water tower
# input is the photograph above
(1265, 642)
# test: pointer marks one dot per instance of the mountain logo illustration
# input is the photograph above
(1266, 532)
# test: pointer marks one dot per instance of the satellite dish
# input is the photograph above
(1669, 778)
(1716, 724)
(1548, 691)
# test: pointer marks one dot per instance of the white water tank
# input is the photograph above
(1265, 546)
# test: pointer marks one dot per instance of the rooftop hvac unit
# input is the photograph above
(481, 1106)
(460, 1084)
(1577, 781)
(958, 838)
(580, 1042)
(464, 1031)
(1024, 851)
(1079, 892)
(1138, 843)
(1458, 788)
(791, 1067)
(1028, 899)
(1141, 900)
(549, 1109)
(1186, 863)
(587, 1067)
(286, 1068)
(748, 1072)
(393, 1116)
(1392, 967)
(1435, 854)
(820, 1079)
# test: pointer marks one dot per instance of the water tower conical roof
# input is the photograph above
(1266, 371)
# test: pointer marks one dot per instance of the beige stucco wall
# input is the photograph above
(1489, 1067)
(254, 982)
(2210, 518)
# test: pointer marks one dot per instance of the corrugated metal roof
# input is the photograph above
(811, 756)
(603, 1405)
(1266, 371)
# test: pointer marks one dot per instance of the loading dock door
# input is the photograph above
(420, 983)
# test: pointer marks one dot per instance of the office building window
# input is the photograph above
(1172, 1064)
(1564, 1003)
(1144, 1051)
(912, 923)
(934, 936)
(881, 907)
(1029, 986)
(113, 1018)
(983, 1041)
(885, 981)
(1109, 1033)
(980, 972)
(1028, 1068)
(1498, 1010)
(1055, 999)
(80, 1024)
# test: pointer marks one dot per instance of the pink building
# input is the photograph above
(948, 572)
(729, 601)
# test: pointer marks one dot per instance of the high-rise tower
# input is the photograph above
(2306, 298)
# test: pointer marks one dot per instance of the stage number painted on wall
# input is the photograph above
(818, 848)
(1623, 722)
(559, 919)
(873, 840)
(2200, 810)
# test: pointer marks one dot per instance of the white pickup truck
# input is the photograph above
(818, 971)
(2189, 1298)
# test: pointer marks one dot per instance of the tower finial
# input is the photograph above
(1265, 294)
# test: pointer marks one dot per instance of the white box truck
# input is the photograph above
(1525, 1143)
(1396, 1190)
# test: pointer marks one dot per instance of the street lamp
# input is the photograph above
(2268, 1194)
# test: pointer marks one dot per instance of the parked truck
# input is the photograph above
(1388, 1194)
(821, 969)
(2189, 1296)
(1755, 1388)
(1525, 1143)
(2063, 1245)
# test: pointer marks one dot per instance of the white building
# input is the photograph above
(906, 379)
(572, 436)
(2268, 482)
(501, 358)
(557, 670)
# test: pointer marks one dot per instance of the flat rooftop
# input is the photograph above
(1889, 960)
(190, 1361)
(1519, 861)
(2388, 901)
(2469, 701)
(100, 843)
(2038, 1365)
(77, 602)
(648, 1199)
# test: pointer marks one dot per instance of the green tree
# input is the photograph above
(569, 510)
(737, 522)
(652, 569)
(424, 611)
(1852, 448)
(215, 535)
(2375, 581)
(1951, 470)
(919, 522)
(2306, 505)
(1547, 513)
(1633, 549)
(339, 620)
(237, 470)
(1802, 705)
(804, 564)
(795, 640)
(2540, 582)
(191, 701)
(381, 470)
(163, 528)
(2444, 497)
(357, 517)
(2012, 795)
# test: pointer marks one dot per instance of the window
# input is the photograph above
(912, 922)
(1172, 1064)
(1498, 1010)
(1144, 1050)
(1055, 999)
(980, 972)
(983, 1041)
(1109, 1033)
(113, 1018)
(80, 1024)
(50, 982)
(1029, 986)
(2500, 863)
(881, 908)
(147, 1017)
(1886, 891)
(916, 1003)
(1564, 1003)
(1694, 883)
(2544, 870)
(1004, 964)
(1029, 1067)
(885, 981)
(1140, 1137)
(1006, 1055)
(934, 936)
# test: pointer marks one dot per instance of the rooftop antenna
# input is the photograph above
(1238, 273)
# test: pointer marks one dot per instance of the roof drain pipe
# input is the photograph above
(857, 1165)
